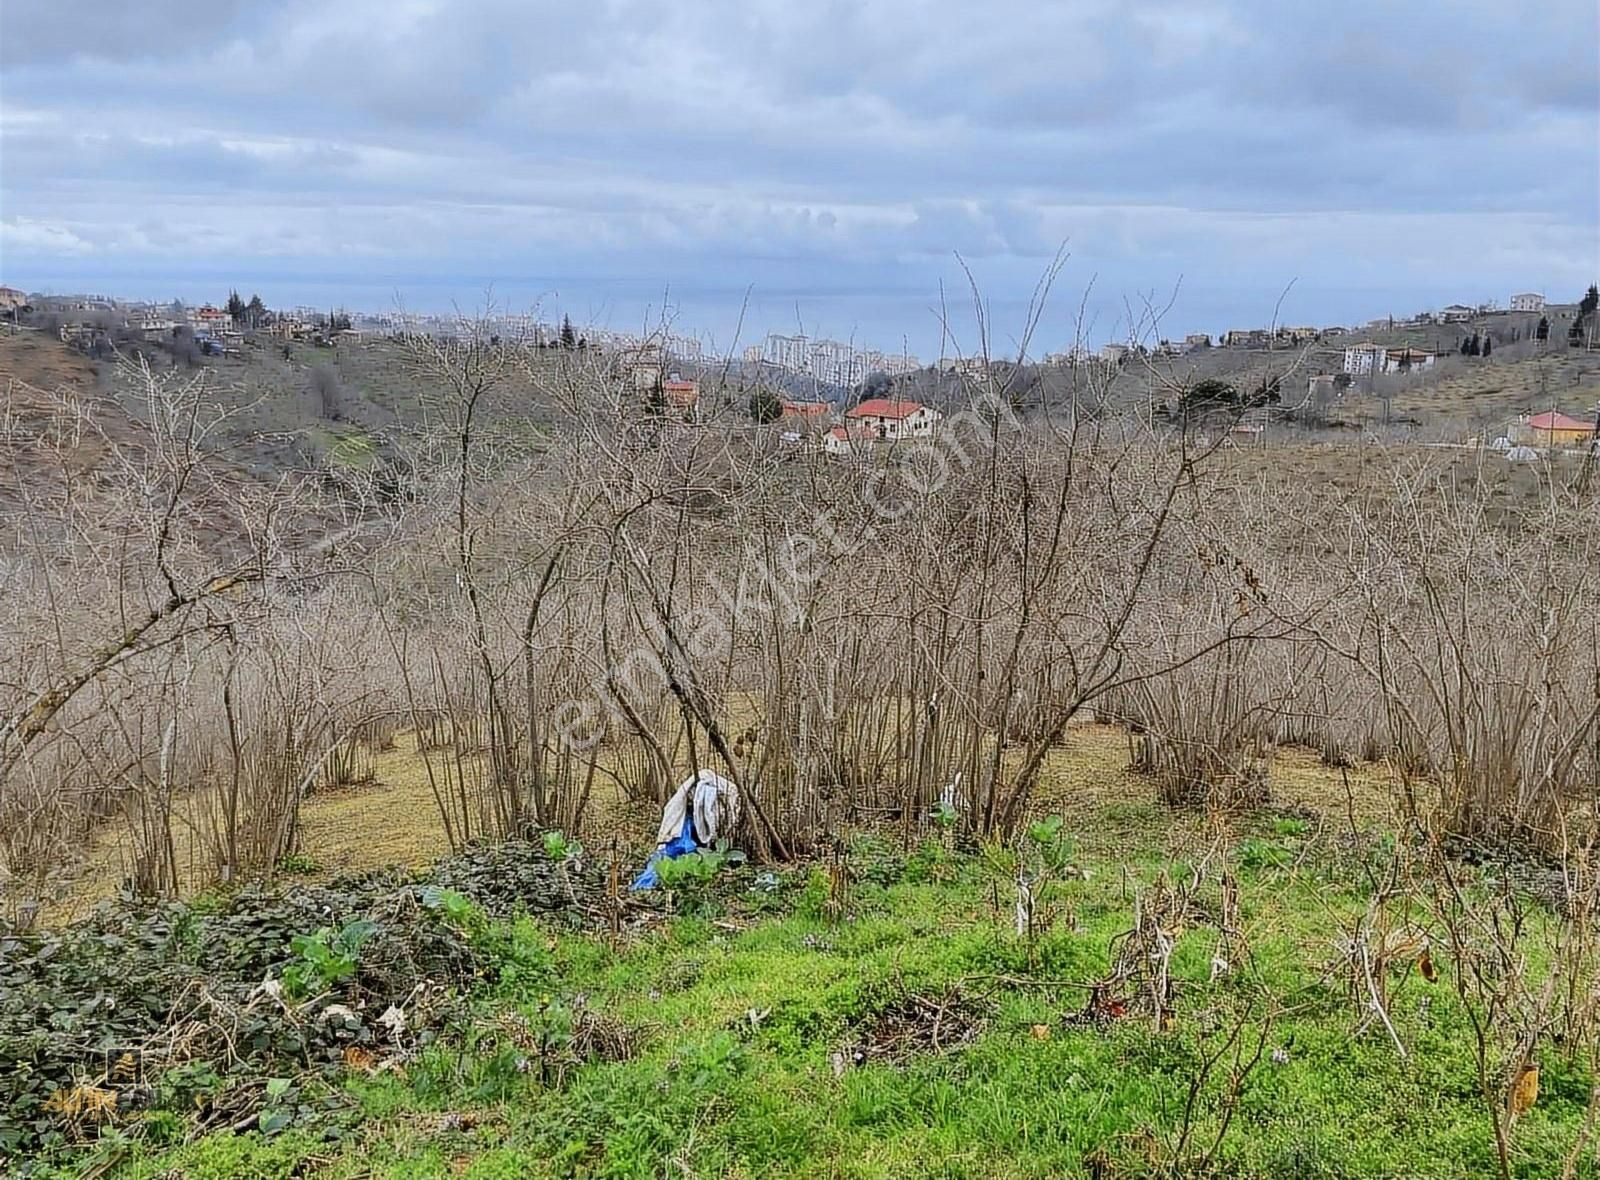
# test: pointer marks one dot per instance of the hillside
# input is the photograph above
(59, 422)
(1109, 798)
(346, 407)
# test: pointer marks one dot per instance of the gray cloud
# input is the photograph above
(46, 32)
(810, 148)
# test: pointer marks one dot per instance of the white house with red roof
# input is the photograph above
(805, 417)
(851, 439)
(1551, 429)
(889, 419)
(682, 396)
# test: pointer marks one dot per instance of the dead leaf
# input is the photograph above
(1425, 965)
(359, 1059)
(1040, 1032)
(1524, 1091)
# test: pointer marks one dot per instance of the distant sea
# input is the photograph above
(892, 313)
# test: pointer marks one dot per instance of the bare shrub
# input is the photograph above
(1480, 636)
(327, 392)
(596, 604)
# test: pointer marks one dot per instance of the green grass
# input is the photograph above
(741, 1024)
(348, 447)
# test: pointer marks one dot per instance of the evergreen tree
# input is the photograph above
(569, 338)
(1586, 308)
(255, 311)
(1269, 393)
(1543, 332)
(765, 406)
(236, 307)
(1488, 344)
(1466, 346)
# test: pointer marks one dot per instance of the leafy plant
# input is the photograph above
(689, 877)
(559, 847)
(279, 1110)
(1050, 843)
(1256, 853)
(325, 958)
(455, 907)
(298, 864)
(699, 866)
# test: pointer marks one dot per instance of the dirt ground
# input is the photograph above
(394, 820)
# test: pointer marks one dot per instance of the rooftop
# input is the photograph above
(1556, 420)
(882, 407)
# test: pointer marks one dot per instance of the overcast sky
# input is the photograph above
(833, 156)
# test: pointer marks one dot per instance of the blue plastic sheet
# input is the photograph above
(680, 845)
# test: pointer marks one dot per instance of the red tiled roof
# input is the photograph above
(805, 409)
(882, 407)
(1556, 420)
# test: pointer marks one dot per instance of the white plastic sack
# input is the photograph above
(711, 799)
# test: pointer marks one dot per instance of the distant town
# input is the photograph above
(839, 397)
(83, 319)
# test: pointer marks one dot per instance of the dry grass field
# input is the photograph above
(393, 820)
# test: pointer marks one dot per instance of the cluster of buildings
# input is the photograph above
(1523, 303)
(1115, 353)
(875, 421)
(1288, 337)
(648, 367)
(83, 320)
(1272, 337)
(832, 361)
(1362, 360)
(519, 328)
